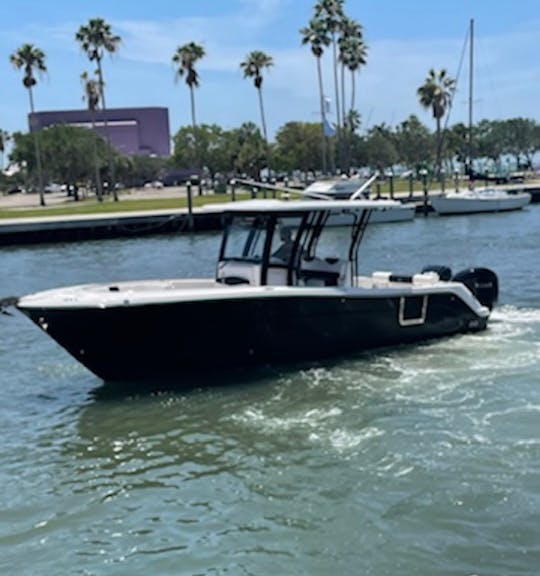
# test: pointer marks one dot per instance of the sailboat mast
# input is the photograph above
(471, 54)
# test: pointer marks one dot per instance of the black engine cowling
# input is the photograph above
(482, 282)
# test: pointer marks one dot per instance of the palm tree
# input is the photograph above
(92, 96)
(352, 55)
(30, 59)
(331, 14)
(436, 93)
(253, 66)
(4, 138)
(185, 58)
(353, 120)
(95, 39)
(315, 34)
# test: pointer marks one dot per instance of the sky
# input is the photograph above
(405, 38)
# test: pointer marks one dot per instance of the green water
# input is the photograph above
(418, 460)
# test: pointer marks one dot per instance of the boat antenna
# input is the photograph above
(471, 53)
(457, 76)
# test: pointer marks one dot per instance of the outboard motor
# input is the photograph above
(444, 272)
(482, 282)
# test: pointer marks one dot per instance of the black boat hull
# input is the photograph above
(176, 338)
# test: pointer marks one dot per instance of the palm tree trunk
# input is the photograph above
(197, 158)
(193, 119)
(37, 150)
(112, 183)
(336, 88)
(195, 135)
(97, 176)
(353, 89)
(345, 144)
(323, 116)
(263, 122)
(438, 159)
(344, 115)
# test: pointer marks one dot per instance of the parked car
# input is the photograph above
(154, 184)
(16, 190)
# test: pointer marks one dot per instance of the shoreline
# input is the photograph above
(48, 227)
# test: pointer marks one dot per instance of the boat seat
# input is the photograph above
(236, 272)
(322, 272)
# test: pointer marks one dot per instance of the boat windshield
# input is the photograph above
(288, 248)
(332, 242)
(245, 239)
(284, 239)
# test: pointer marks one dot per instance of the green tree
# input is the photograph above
(137, 170)
(359, 150)
(208, 143)
(521, 139)
(247, 148)
(96, 38)
(316, 35)
(381, 148)
(489, 139)
(32, 59)
(253, 66)
(67, 153)
(298, 146)
(457, 142)
(436, 94)
(414, 142)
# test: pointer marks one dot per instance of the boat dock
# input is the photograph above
(47, 229)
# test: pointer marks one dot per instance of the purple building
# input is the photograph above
(132, 131)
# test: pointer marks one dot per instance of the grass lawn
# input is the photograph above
(91, 206)
(126, 204)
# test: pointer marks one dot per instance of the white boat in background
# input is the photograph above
(355, 189)
(479, 200)
(351, 189)
(476, 200)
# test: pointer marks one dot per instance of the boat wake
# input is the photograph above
(344, 405)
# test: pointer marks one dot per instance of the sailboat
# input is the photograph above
(477, 200)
